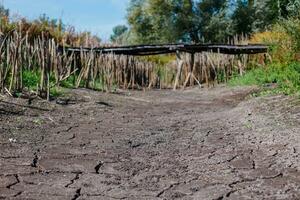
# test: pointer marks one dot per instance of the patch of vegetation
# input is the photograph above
(69, 82)
(286, 78)
(38, 121)
(31, 79)
(283, 74)
(56, 92)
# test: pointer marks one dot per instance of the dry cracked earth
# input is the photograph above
(212, 144)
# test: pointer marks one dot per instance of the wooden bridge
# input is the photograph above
(144, 50)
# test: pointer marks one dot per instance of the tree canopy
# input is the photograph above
(164, 21)
(118, 33)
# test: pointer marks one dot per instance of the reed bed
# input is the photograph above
(39, 66)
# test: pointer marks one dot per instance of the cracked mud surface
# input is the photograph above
(194, 144)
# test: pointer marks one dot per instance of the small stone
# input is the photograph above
(12, 140)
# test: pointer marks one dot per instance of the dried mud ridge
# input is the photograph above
(197, 144)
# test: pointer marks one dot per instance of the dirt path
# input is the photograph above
(195, 144)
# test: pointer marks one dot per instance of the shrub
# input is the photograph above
(292, 29)
(280, 42)
(284, 70)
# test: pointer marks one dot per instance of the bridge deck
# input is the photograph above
(142, 50)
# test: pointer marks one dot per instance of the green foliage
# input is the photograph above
(286, 78)
(283, 76)
(289, 23)
(119, 32)
(140, 23)
(31, 79)
(218, 29)
(214, 23)
(160, 21)
(69, 82)
(242, 19)
(56, 92)
(293, 8)
(3, 11)
(291, 27)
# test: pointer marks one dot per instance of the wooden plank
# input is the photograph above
(143, 50)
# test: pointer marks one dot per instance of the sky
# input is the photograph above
(97, 16)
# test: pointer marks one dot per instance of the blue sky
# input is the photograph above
(97, 16)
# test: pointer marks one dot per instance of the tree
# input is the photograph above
(118, 34)
(218, 29)
(186, 21)
(161, 21)
(258, 15)
(215, 24)
(5, 25)
(141, 30)
(293, 8)
(3, 11)
(243, 17)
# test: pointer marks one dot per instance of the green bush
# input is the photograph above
(292, 28)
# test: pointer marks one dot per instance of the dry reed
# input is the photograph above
(105, 71)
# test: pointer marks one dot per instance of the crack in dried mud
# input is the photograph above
(98, 166)
(72, 181)
(17, 181)
(77, 194)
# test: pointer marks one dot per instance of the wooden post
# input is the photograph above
(190, 76)
(179, 69)
(192, 66)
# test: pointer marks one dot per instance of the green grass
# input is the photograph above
(285, 77)
(31, 79)
(69, 82)
(57, 92)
